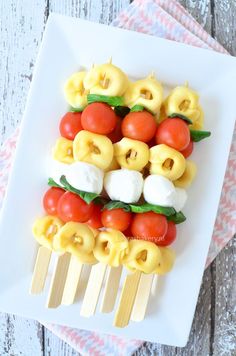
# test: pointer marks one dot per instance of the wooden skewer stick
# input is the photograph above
(93, 290)
(127, 299)
(58, 281)
(111, 289)
(40, 270)
(72, 281)
(142, 297)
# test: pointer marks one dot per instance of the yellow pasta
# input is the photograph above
(45, 229)
(167, 162)
(188, 176)
(131, 154)
(63, 150)
(114, 165)
(77, 239)
(74, 91)
(143, 256)
(93, 148)
(167, 260)
(185, 101)
(106, 79)
(111, 247)
(147, 92)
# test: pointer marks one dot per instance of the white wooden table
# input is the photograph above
(21, 26)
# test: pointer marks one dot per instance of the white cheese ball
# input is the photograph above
(85, 176)
(180, 199)
(125, 185)
(57, 169)
(159, 190)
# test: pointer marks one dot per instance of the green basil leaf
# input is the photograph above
(52, 183)
(167, 211)
(137, 108)
(198, 135)
(75, 109)
(87, 197)
(110, 100)
(177, 218)
(122, 111)
(115, 204)
(180, 116)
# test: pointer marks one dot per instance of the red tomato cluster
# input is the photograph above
(100, 118)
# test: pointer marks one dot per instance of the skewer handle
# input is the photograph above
(72, 281)
(111, 289)
(58, 281)
(142, 297)
(40, 270)
(93, 290)
(127, 299)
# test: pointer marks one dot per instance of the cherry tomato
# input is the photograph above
(149, 226)
(152, 142)
(72, 208)
(139, 126)
(50, 200)
(116, 134)
(116, 219)
(188, 150)
(95, 220)
(70, 125)
(170, 236)
(174, 133)
(99, 118)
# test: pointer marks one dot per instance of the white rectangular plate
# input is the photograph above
(68, 45)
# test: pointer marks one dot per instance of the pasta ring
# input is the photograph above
(45, 230)
(143, 256)
(93, 148)
(74, 91)
(106, 79)
(167, 260)
(131, 154)
(111, 247)
(63, 150)
(188, 176)
(167, 162)
(147, 92)
(75, 238)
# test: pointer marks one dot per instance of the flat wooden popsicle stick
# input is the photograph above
(142, 297)
(93, 290)
(127, 299)
(58, 281)
(40, 270)
(72, 281)
(111, 289)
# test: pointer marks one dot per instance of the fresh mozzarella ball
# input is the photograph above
(85, 176)
(125, 185)
(180, 199)
(58, 169)
(159, 190)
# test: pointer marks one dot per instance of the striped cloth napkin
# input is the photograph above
(167, 19)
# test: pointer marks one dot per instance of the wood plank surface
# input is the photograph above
(21, 27)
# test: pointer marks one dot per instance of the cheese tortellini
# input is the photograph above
(77, 239)
(167, 162)
(131, 154)
(93, 148)
(166, 262)
(188, 176)
(106, 79)
(111, 247)
(143, 256)
(45, 230)
(63, 150)
(75, 92)
(147, 92)
(185, 101)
